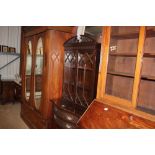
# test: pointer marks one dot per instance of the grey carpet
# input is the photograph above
(10, 117)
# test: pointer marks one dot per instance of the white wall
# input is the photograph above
(10, 36)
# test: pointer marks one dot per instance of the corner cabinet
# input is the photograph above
(126, 80)
(81, 62)
(42, 67)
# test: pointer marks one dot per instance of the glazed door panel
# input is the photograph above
(38, 70)
(146, 96)
(122, 61)
(29, 48)
(70, 65)
(79, 73)
(85, 77)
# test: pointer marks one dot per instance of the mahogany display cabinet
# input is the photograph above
(41, 70)
(81, 63)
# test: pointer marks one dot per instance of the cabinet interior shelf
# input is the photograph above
(81, 68)
(148, 77)
(126, 36)
(123, 54)
(143, 77)
(70, 67)
(78, 85)
(149, 34)
(83, 86)
(149, 55)
(121, 74)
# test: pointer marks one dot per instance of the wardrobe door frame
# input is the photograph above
(26, 40)
(40, 35)
(101, 94)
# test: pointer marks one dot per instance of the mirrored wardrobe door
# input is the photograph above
(28, 70)
(38, 72)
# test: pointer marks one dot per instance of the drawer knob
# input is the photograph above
(106, 109)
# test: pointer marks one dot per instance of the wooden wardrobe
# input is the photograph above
(41, 70)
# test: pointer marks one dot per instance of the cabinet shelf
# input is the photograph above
(126, 36)
(83, 86)
(82, 68)
(148, 77)
(149, 34)
(78, 85)
(70, 67)
(121, 74)
(123, 54)
(149, 55)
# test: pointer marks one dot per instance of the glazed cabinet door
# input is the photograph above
(70, 65)
(38, 70)
(85, 77)
(79, 73)
(146, 95)
(121, 64)
(27, 70)
(122, 56)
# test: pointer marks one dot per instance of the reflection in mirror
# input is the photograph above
(28, 69)
(38, 73)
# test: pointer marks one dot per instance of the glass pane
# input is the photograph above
(146, 96)
(85, 77)
(38, 73)
(28, 69)
(69, 76)
(122, 60)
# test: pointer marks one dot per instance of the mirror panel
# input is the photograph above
(38, 73)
